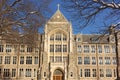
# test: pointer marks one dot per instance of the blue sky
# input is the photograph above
(90, 29)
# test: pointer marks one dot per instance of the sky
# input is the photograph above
(90, 29)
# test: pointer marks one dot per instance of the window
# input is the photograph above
(51, 59)
(113, 49)
(28, 73)
(52, 37)
(86, 48)
(16, 48)
(7, 59)
(35, 60)
(93, 60)
(94, 39)
(79, 49)
(44, 74)
(64, 37)
(65, 59)
(80, 72)
(14, 59)
(94, 72)
(28, 60)
(6, 73)
(114, 72)
(58, 48)
(107, 49)
(21, 73)
(107, 60)
(22, 48)
(86, 60)
(22, 60)
(99, 49)
(35, 72)
(71, 74)
(100, 60)
(13, 72)
(87, 72)
(79, 39)
(8, 48)
(1, 48)
(1, 59)
(58, 37)
(101, 73)
(114, 60)
(58, 59)
(64, 48)
(108, 73)
(36, 49)
(51, 48)
(29, 49)
(92, 49)
(79, 60)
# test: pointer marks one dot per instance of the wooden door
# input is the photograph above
(57, 77)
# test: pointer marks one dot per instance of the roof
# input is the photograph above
(58, 17)
(94, 38)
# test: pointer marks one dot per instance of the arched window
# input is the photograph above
(52, 37)
(58, 36)
(64, 37)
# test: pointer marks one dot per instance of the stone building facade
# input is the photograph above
(63, 56)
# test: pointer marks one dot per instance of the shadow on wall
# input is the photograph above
(5, 74)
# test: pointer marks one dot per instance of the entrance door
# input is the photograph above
(58, 75)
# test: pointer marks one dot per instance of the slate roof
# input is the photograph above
(93, 38)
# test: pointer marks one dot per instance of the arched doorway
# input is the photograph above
(58, 75)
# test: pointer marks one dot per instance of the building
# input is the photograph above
(63, 56)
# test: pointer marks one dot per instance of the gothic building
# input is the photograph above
(63, 56)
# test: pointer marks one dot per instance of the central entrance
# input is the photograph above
(58, 75)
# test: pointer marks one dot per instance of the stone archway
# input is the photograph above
(58, 75)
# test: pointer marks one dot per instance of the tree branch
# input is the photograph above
(14, 3)
(111, 5)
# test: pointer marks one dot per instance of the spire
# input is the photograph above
(58, 16)
(58, 6)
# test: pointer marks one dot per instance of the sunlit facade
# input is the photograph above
(63, 56)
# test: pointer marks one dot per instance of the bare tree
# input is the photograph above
(20, 21)
(86, 12)
(16, 16)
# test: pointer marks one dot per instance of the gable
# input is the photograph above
(58, 17)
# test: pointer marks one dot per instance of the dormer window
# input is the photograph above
(94, 39)
(112, 38)
(79, 39)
